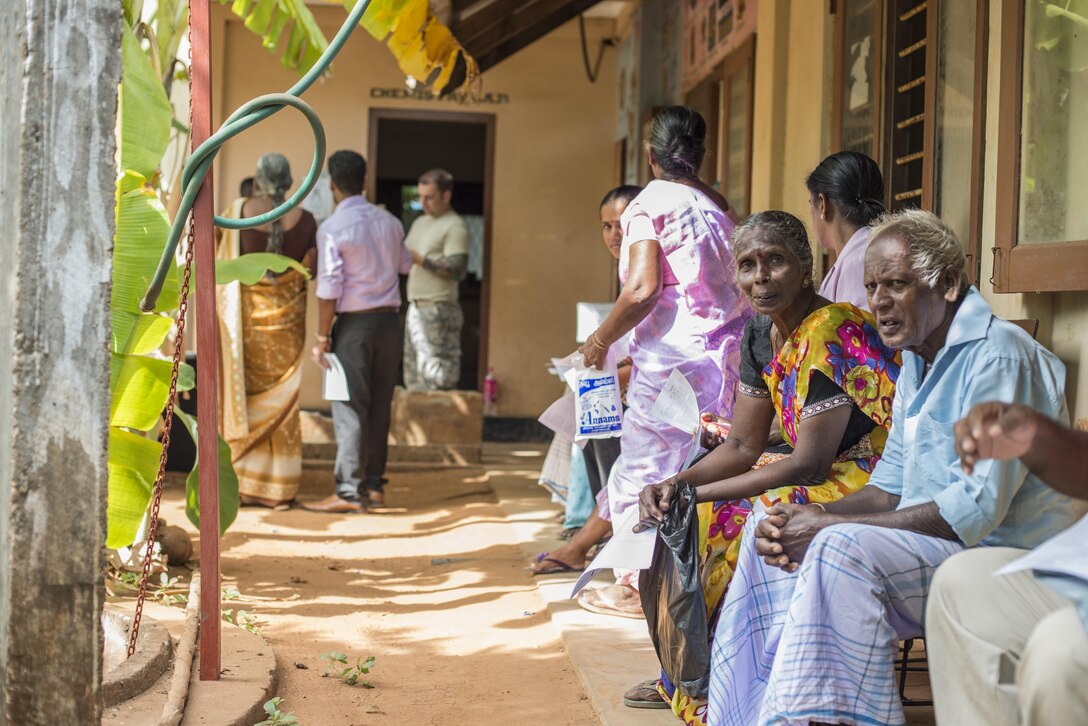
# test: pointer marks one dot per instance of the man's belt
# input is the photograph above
(372, 311)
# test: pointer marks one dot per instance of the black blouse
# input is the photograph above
(756, 353)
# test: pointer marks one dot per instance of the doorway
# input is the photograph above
(402, 145)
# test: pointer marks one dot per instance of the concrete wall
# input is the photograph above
(60, 64)
(553, 162)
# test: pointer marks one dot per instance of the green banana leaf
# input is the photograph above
(171, 22)
(249, 269)
(144, 110)
(133, 466)
(148, 333)
(228, 482)
(142, 227)
(139, 388)
(271, 18)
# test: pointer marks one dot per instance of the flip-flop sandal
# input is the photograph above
(646, 687)
(560, 566)
(600, 602)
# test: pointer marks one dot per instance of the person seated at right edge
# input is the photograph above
(816, 368)
(1009, 649)
(823, 593)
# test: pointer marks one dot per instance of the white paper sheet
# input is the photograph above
(625, 551)
(560, 418)
(1062, 554)
(336, 381)
(677, 404)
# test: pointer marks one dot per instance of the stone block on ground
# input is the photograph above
(427, 427)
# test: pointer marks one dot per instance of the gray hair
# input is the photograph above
(782, 227)
(934, 247)
(272, 180)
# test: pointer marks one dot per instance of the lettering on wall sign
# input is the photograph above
(422, 94)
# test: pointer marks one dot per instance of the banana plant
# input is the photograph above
(139, 374)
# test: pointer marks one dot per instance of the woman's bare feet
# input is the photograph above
(573, 553)
(618, 599)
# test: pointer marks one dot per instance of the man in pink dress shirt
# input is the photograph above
(360, 254)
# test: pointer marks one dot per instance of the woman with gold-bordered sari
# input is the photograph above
(262, 343)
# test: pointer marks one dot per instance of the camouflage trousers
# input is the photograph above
(432, 346)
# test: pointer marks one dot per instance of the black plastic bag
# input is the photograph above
(672, 598)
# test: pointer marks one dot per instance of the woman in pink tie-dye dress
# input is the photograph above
(680, 299)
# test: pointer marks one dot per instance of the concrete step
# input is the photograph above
(247, 680)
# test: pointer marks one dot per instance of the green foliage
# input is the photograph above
(133, 466)
(271, 18)
(337, 665)
(228, 482)
(139, 381)
(276, 716)
(1060, 32)
(249, 269)
(241, 619)
(144, 110)
(163, 594)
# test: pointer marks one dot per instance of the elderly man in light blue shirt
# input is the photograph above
(809, 634)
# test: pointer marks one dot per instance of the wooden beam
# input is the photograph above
(480, 17)
(207, 413)
(530, 22)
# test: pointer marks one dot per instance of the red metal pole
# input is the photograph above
(207, 348)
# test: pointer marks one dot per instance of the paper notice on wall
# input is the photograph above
(677, 404)
(625, 551)
(336, 380)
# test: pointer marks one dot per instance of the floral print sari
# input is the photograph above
(841, 342)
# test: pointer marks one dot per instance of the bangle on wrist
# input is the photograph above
(596, 341)
(820, 505)
(322, 338)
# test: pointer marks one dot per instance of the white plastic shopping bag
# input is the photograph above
(598, 408)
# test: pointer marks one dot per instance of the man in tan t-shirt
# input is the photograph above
(439, 244)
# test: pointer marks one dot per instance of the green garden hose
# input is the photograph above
(247, 116)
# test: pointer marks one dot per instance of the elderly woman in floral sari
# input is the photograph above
(817, 367)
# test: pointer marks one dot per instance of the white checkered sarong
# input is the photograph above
(819, 644)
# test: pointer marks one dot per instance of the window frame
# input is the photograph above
(741, 60)
(973, 243)
(1043, 267)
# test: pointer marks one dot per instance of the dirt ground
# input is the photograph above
(436, 590)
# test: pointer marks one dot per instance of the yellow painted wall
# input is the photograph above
(553, 163)
(792, 105)
(791, 134)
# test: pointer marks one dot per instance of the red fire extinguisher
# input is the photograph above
(491, 393)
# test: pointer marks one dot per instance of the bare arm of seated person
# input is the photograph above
(636, 300)
(1003, 431)
(713, 430)
(726, 473)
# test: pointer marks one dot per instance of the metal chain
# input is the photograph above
(168, 425)
(168, 415)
